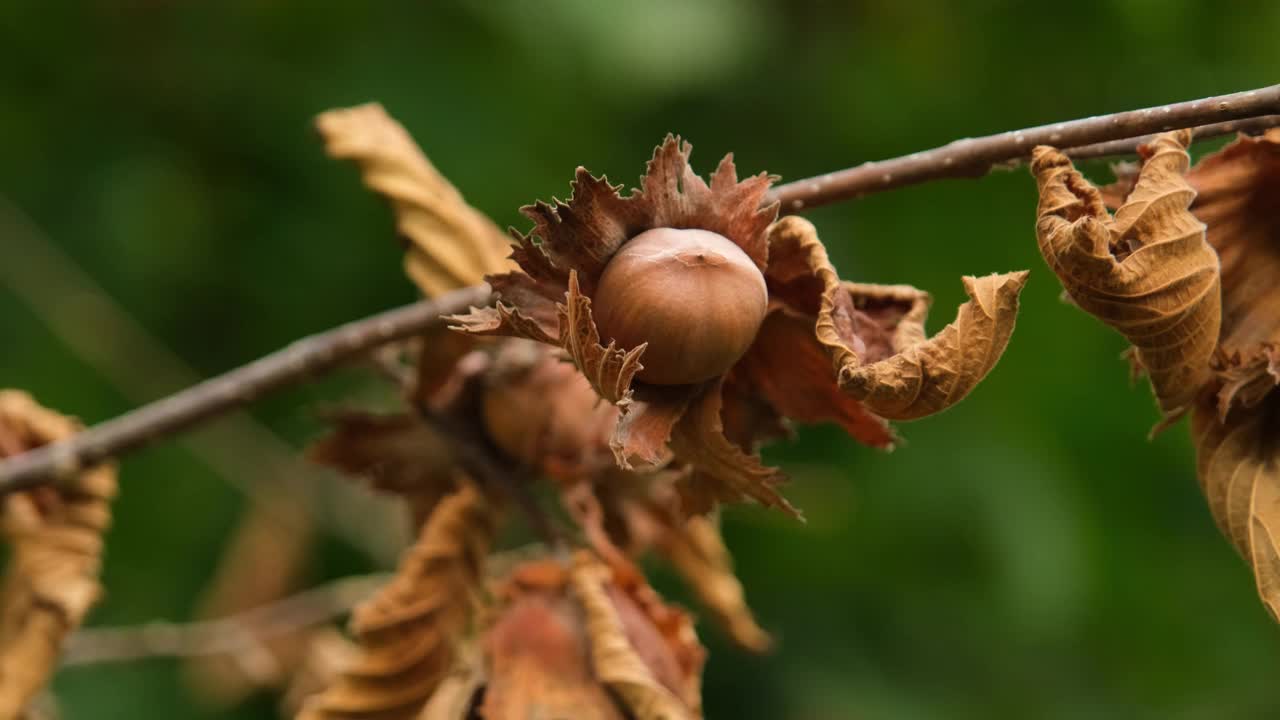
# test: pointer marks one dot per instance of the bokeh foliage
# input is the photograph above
(1027, 554)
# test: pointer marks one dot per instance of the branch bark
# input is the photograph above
(243, 634)
(303, 358)
(967, 158)
(975, 157)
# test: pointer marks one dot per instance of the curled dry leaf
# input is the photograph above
(698, 553)
(628, 651)
(55, 534)
(408, 632)
(1148, 271)
(874, 336)
(450, 244)
(1238, 463)
(536, 655)
(1238, 198)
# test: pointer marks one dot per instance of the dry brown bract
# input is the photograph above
(851, 354)
(449, 244)
(55, 533)
(409, 632)
(1220, 353)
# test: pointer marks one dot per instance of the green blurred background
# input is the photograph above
(1028, 554)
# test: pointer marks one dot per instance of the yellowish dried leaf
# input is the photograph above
(1148, 271)
(1238, 463)
(409, 631)
(613, 656)
(929, 376)
(697, 551)
(55, 535)
(454, 698)
(875, 334)
(450, 244)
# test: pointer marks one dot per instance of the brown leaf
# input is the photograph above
(875, 334)
(1238, 463)
(723, 472)
(451, 244)
(408, 632)
(55, 534)
(395, 453)
(925, 377)
(1148, 271)
(615, 658)
(698, 553)
(537, 657)
(1238, 199)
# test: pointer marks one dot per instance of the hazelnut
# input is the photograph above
(694, 296)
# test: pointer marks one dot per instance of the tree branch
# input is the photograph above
(975, 157)
(967, 158)
(301, 359)
(242, 634)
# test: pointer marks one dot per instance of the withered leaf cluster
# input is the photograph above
(55, 535)
(636, 464)
(1188, 268)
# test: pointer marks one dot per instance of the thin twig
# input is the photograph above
(244, 633)
(975, 157)
(301, 359)
(1128, 146)
(962, 158)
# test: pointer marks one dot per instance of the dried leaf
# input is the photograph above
(698, 553)
(395, 453)
(1238, 199)
(722, 471)
(875, 334)
(931, 375)
(55, 534)
(1238, 463)
(1148, 272)
(536, 653)
(451, 244)
(614, 657)
(326, 655)
(408, 632)
(455, 697)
